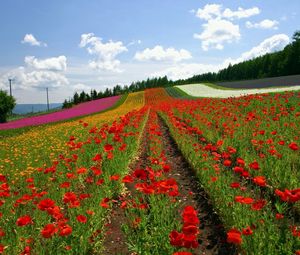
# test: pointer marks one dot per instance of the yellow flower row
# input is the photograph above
(21, 154)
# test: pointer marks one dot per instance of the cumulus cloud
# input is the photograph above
(240, 13)
(210, 11)
(105, 53)
(264, 24)
(30, 39)
(158, 53)
(269, 45)
(81, 87)
(184, 70)
(219, 27)
(215, 11)
(50, 64)
(38, 73)
(217, 32)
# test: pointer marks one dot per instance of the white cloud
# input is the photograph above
(105, 53)
(183, 71)
(38, 73)
(81, 87)
(210, 11)
(269, 45)
(50, 64)
(240, 13)
(217, 32)
(264, 24)
(158, 53)
(30, 39)
(219, 28)
(214, 11)
(134, 42)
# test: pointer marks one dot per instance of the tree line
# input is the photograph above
(280, 63)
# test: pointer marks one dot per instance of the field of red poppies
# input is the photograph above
(176, 176)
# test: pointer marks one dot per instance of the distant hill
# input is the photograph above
(29, 108)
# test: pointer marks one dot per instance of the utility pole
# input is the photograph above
(10, 81)
(47, 99)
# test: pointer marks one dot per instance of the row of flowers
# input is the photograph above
(248, 212)
(60, 208)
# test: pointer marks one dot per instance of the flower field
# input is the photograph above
(157, 175)
(78, 110)
(202, 90)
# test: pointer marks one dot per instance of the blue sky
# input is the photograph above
(73, 45)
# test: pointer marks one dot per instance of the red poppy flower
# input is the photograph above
(293, 146)
(99, 182)
(65, 230)
(240, 162)
(238, 169)
(234, 236)
(166, 168)
(176, 238)
(65, 185)
(254, 165)
(104, 202)
(190, 241)
(114, 177)
(26, 251)
(24, 220)
(227, 162)
(2, 233)
(46, 204)
(69, 197)
(260, 181)
(108, 147)
(235, 185)
(81, 170)
(140, 174)
(97, 157)
(127, 179)
(70, 175)
(68, 247)
(190, 230)
(258, 205)
(247, 231)
(49, 230)
(123, 147)
(279, 216)
(29, 180)
(1, 248)
(81, 218)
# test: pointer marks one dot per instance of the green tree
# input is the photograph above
(7, 104)
(76, 98)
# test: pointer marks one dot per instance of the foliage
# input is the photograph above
(7, 104)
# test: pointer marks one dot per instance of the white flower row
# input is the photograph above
(202, 90)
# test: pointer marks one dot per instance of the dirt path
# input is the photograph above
(212, 238)
(115, 239)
